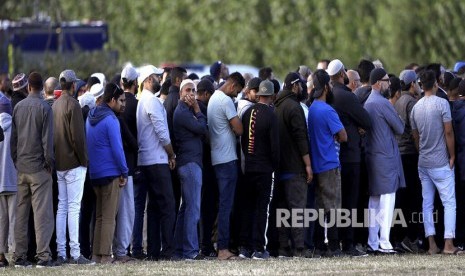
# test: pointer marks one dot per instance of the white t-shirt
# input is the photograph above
(222, 138)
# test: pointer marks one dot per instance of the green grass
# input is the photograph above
(384, 265)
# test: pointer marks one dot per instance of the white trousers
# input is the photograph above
(381, 209)
(70, 190)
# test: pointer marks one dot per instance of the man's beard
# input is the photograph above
(156, 87)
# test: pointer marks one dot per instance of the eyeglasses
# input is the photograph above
(387, 80)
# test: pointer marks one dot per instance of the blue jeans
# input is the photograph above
(441, 179)
(226, 174)
(185, 235)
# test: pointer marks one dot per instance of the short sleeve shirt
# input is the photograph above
(428, 117)
(220, 111)
(323, 125)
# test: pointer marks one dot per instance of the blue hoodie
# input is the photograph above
(104, 144)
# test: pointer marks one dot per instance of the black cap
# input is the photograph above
(376, 75)
(254, 83)
(206, 85)
(291, 79)
(454, 83)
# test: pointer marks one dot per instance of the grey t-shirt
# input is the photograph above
(428, 116)
(220, 110)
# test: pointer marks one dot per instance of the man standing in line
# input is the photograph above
(434, 137)
(71, 165)
(355, 120)
(260, 144)
(224, 126)
(156, 158)
(32, 154)
(324, 131)
(381, 148)
(295, 171)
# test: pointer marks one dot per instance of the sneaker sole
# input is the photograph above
(406, 248)
(22, 266)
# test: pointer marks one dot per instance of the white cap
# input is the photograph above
(96, 90)
(148, 70)
(101, 78)
(186, 81)
(129, 73)
(334, 67)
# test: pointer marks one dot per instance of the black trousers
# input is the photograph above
(161, 208)
(255, 210)
(87, 218)
(350, 187)
(208, 208)
(409, 200)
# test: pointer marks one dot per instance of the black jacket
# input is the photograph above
(260, 139)
(353, 116)
(293, 137)
(129, 114)
(2, 136)
(170, 105)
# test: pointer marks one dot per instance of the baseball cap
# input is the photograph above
(68, 76)
(254, 83)
(408, 76)
(129, 73)
(266, 88)
(148, 70)
(97, 90)
(291, 79)
(206, 85)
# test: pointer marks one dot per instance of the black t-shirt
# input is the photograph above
(260, 139)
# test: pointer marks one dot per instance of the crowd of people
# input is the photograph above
(208, 163)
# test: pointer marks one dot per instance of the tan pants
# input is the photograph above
(106, 208)
(34, 189)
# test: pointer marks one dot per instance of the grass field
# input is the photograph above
(379, 265)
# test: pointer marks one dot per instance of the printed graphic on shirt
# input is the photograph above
(252, 122)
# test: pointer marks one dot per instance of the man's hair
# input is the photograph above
(65, 85)
(35, 81)
(265, 73)
(237, 78)
(436, 68)
(411, 66)
(177, 73)
(428, 79)
(112, 91)
(364, 69)
(165, 87)
(91, 81)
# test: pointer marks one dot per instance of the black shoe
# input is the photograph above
(139, 255)
(210, 254)
(312, 253)
(299, 253)
(198, 257)
(20, 262)
(371, 251)
(334, 253)
(48, 263)
(4, 262)
(353, 252)
(284, 252)
(244, 253)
